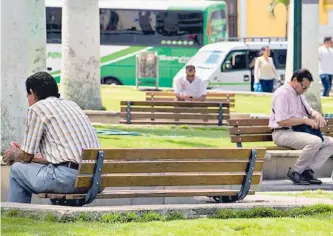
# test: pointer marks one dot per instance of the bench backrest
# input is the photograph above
(173, 112)
(211, 97)
(170, 167)
(257, 130)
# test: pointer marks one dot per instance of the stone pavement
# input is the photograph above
(286, 185)
(205, 206)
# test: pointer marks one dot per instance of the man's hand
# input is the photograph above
(12, 153)
(312, 123)
(319, 119)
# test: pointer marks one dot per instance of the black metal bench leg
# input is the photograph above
(93, 190)
(246, 184)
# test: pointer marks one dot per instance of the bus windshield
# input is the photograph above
(149, 27)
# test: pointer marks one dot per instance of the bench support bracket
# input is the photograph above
(94, 188)
(246, 184)
(220, 116)
(128, 113)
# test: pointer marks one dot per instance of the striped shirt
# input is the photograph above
(59, 130)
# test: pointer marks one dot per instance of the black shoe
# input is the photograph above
(297, 178)
(309, 176)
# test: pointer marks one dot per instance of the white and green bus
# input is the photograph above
(176, 30)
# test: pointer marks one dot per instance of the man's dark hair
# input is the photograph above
(190, 67)
(327, 39)
(301, 74)
(43, 85)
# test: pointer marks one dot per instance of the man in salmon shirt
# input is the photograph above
(290, 109)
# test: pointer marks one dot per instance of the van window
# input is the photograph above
(279, 58)
(238, 61)
(207, 58)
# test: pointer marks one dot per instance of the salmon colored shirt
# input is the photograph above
(287, 104)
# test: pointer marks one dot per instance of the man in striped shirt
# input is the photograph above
(57, 131)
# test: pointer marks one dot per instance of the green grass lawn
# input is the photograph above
(169, 137)
(320, 224)
(112, 95)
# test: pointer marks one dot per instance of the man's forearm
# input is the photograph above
(40, 160)
(202, 98)
(291, 122)
(24, 157)
(179, 96)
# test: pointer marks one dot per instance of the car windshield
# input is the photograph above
(206, 58)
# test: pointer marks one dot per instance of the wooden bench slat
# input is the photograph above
(135, 115)
(161, 99)
(171, 154)
(171, 94)
(278, 148)
(166, 179)
(327, 129)
(172, 122)
(176, 109)
(251, 138)
(168, 166)
(147, 193)
(249, 122)
(250, 130)
(329, 121)
(172, 103)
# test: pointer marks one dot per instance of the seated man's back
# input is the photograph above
(67, 130)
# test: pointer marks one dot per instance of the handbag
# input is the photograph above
(306, 128)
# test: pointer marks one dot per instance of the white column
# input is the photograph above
(80, 65)
(22, 52)
(310, 57)
(242, 18)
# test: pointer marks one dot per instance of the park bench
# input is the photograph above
(211, 97)
(175, 112)
(257, 130)
(128, 168)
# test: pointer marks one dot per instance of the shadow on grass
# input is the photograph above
(188, 143)
(176, 131)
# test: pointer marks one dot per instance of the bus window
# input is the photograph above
(53, 25)
(217, 26)
(144, 27)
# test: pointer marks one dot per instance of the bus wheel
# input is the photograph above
(112, 81)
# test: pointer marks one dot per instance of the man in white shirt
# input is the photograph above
(190, 87)
(326, 65)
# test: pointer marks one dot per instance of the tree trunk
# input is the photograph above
(80, 65)
(310, 35)
(22, 53)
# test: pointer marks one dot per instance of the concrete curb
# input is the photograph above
(189, 211)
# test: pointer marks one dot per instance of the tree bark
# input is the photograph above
(80, 65)
(23, 52)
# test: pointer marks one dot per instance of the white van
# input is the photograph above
(226, 65)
